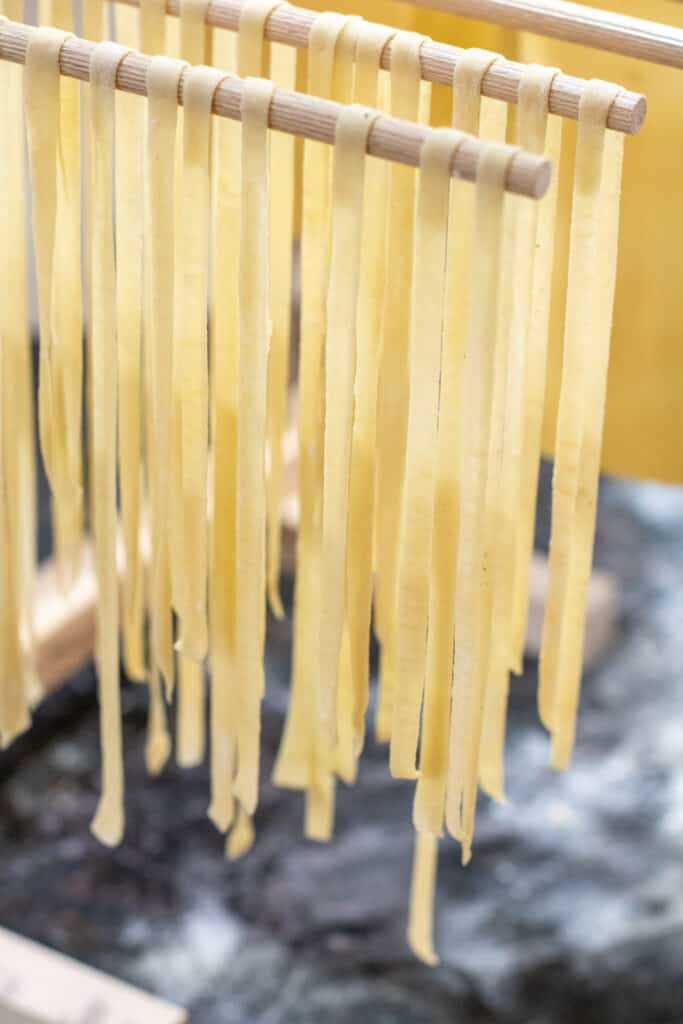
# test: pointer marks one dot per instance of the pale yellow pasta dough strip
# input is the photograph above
(539, 133)
(159, 249)
(422, 887)
(42, 98)
(93, 28)
(153, 27)
(354, 665)
(417, 512)
(14, 708)
(194, 32)
(93, 20)
(280, 65)
(106, 57)
(225, 385)
(241, 838)
(190, 344)
(581, 556)
(320, 798)
(67, 304)
(431, 786)
(353, 126)
(294, 765)
(251, 500)
(473, 569)
(193, 38)
(580, 327)
(283, 61)
(506, 470)
(21, 462)
(129, 297)
(392, 408)
(152, 33)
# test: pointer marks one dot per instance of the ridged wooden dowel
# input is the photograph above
(292, 112)
(292, 25)
(602, 30)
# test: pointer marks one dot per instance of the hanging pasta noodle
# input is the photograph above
(106, 57)
(354, 668)
(426, 327)
(67, 322)
(19, 542)
(431, 786)
(580, 323)
(283, 63)
(353, 126)
(225, 388)
(415, 538)
(393, 377)
(185, 569)
(129, 296)
(14, 708)
(505, 653)
(299, 764)
(538, 133)
(590, 298)
(49, 139)
(162, 110)
(190, 345)
(160, 661)
(251, 501)
(253, 59)
(473, 568)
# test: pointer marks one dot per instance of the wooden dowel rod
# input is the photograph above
(603, 30)
(292, 112)
(292, 25)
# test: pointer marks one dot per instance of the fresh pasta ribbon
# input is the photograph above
(129, 322)
(507, 468)
(299, 764)
(354, 664)
(417, 516)
(392, 404)
(538, 133)
(353, 127)
(225, 397)
(251, 432)
(195, 34)
(604, 151)
(42, 91)
(106, 57)
(18, 513)
(194, 38)
(162, 89)
(199, 85)
(152, 15)
(277, 62)
(473, 586)
(583, 331)
(67, 316)
(430, 792)
(422, 887)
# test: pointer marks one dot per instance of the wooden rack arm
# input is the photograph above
(292, 112)
(292, 25)
(574, 23)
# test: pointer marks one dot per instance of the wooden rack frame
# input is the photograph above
(292, 25)
(292, 112)
(602, 30)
